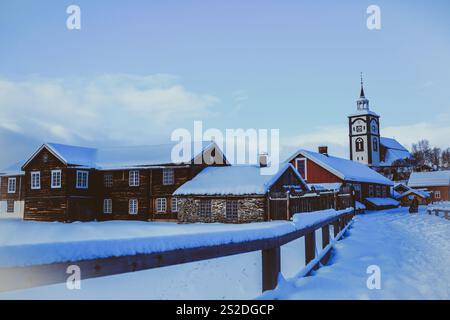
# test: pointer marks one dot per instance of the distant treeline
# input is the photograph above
(423, 154)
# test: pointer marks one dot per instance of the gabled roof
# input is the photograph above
(394, 151)
(122, 157)
(233, 180)
(344, 169)
(420, 193)
(429, 179)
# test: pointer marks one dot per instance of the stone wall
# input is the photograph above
(250, 209)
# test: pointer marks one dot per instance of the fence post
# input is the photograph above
(325, 242)
(271, 267)
(287, 206)
(335, 227)
(310, 247)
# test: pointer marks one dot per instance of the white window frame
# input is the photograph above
(168, 176)
(79, 184)
(107, 183)
(161, 205)
(133, 206)
(35, 182)
(305, 160)
(107, 206)
(12, 185)
(437, 194)
(133, 178)
(174, 204)
(58, 185)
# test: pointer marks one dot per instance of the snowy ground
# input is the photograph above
(413, 252)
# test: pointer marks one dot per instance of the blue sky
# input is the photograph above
(290, 65)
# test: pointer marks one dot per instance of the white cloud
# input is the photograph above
(116, 107)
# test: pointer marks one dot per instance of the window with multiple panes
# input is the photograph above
(11, 185)
(437, 194)
(56, 179)
(107, 206)
(133, 178)
(384, 191)
(133, 206)
(378, 191)
(232, 209)
(9, 206)
(168, 177)
(35, 180)
(82, 179)
(204, 209)
(174, 205)
(370, 191)
(108, 180)
(161, 204)
(301, 167)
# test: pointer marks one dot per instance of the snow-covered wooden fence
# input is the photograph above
(440, 208)
(285, 206)
(46, 274)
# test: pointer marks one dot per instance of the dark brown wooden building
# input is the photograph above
(11, 194)
(68, 183)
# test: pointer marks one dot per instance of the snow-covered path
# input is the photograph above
(412, 252)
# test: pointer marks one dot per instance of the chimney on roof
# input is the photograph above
(323, 150)
(263, 160)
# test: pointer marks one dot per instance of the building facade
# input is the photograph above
(436, 183)
(11, 195)
(70, 183)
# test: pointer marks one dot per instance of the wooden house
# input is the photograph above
(320, 168)
(437, 183)
(406, 195)
(235, 194)
(11, 193)
(69, 183)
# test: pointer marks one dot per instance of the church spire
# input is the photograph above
(362, 95)
(362, 103)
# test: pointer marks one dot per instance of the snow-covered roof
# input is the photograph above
(325, 186)
(419, 193)
(383, 201)
(233, 180)
(429, 179)
(121, 157)
(394, 151)
(12, 170)
(346, 170)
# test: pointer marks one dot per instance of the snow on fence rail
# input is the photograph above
(440, 208)
(269, 242)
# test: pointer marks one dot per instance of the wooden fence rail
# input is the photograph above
(32, 276)
(437, 211)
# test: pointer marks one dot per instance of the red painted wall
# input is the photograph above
(317, 174)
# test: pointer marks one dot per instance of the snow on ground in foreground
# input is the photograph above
(413, 252)
(24, 243)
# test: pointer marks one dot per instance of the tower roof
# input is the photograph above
(362, 95)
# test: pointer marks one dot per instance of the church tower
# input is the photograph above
(364, 132)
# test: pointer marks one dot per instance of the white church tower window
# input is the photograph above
(364, 132)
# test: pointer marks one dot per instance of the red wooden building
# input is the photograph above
(437, 183)
(319, 169)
